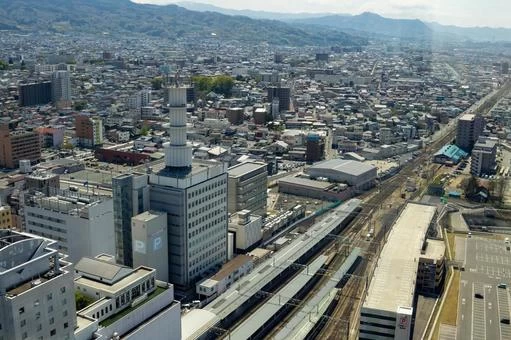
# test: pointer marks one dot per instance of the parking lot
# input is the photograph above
(483, 306)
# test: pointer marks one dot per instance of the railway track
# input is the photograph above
(350, 296)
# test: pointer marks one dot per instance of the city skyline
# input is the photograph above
(471, 13)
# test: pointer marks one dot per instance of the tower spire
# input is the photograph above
(178, 152)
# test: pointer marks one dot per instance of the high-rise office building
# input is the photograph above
(34, 94)
(470, 127)
(17, 145)
(37, 288)
(284, 96)
(194, 196)
(61, 87)
(131, 197)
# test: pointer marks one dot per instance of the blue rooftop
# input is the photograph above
(453, 152)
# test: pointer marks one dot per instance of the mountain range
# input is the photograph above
(170, 21)
(202, 7)
(370, 23)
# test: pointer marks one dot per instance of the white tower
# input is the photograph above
(178, 152)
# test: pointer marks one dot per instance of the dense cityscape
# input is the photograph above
(251, 178)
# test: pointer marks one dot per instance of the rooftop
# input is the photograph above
(343, 165)
(148, 215)
(468, 117)
(435, 249)
(231, 266)
(244, 168)
(306, 182)
(118, 286)
(196, 322)
(112, 272)
(486, 143)
(452, 151)
(108, 321)
(393, 283)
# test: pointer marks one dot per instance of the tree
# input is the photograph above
(3, 65)
(219, 84)
(144, 131)
(157, 83)
(80, 105)
(82, 300)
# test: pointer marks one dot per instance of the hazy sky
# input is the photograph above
(494, 13)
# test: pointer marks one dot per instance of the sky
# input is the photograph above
(492, 13)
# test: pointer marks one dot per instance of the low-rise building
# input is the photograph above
(225, 277)
(449, 154)
(360, 175)
(128, 303)
(247, 229)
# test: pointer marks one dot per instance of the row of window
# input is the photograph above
(53, 237)
(135, 292)
(207, 188)
(48, 218)
(206, 265)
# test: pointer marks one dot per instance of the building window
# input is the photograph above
(39, 327)
(23, 323)
(66, 325)
(52, 320)
(50, 309)
(64, 313)
(24, 335)
(50, 296)
(63, 290)
(22, 310)
(53, 332)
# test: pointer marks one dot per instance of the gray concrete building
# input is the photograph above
(247, 187)
(38, 292)
(359, 175)
(130, 198)
(61, 87)
(484, 157)
(468, 130)
(150, 248)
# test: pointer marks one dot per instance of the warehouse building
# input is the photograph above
(359, 175)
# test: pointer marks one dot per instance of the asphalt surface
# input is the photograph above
(487, 264)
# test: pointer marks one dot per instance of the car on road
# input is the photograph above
(502, 285)
(478, 296)
(504, 321)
